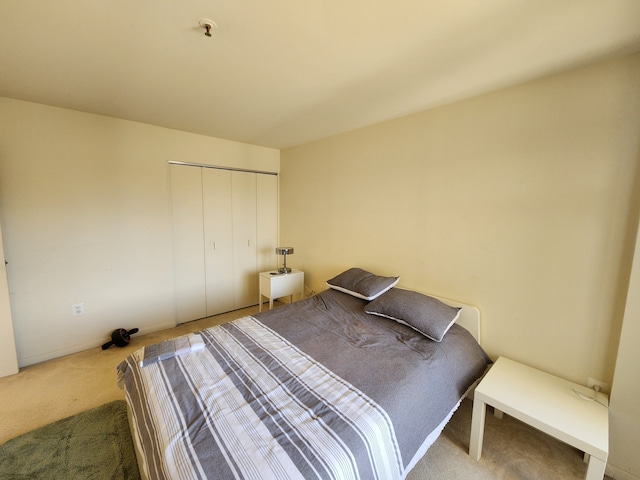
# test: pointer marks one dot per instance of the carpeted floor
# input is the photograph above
(95, 444)
(511, 450)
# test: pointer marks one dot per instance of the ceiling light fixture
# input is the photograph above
(208, 25)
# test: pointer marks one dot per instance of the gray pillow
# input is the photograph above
(362, 284)
(427, 315)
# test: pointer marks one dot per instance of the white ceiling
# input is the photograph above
(285, 72)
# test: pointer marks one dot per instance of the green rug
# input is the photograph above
(95, 444)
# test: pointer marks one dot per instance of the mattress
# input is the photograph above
(314, 389)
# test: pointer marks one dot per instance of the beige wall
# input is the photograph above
(518, 202)
(84, 204)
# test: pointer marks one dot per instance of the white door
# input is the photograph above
(188, 238)
(245, 268)
(8, 356)
(267, 220)
(225, 227)
(218, 234)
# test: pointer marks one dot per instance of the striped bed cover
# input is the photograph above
(252, 405)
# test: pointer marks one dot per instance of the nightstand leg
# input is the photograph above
(595, 469)
(477, 429)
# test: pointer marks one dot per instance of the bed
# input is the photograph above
(355, 382)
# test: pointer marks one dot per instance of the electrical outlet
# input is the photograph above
(77, 309)
(591, 382)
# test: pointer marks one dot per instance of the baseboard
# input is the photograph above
(619, 474)
(43, 357)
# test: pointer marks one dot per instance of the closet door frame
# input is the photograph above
(8, 352)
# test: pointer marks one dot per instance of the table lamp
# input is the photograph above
(284, 251)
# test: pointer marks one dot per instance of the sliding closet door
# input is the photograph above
(188, 238)
(218, 243)
(225, 229)
(245, 268)
(267, 220)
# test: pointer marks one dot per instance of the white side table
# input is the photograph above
(276, 285)
(547, 403)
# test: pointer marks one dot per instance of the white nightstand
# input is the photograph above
(275, 285)
(547, 403)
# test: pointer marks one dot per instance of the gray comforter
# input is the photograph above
(315, 389)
